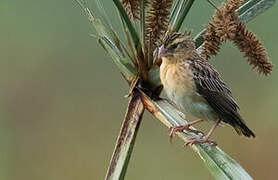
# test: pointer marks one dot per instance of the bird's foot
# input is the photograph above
(200, 141)
(186, 127)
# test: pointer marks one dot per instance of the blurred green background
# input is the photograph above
(62, 100)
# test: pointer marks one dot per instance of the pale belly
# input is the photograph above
(193, 104)
(180, 88)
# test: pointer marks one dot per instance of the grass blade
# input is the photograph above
(220, 165)
(122, 63)
(142, 65)
(126, 139)
(181, 14)
(131, 28)
(110, 42)
(142, 24)
(121, 46)
(253, 8)
(174, 11)
(131, 47)
(248, 11)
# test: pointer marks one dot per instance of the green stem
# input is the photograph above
(142, 65)
(130, 27)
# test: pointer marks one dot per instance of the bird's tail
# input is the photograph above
(241, 128)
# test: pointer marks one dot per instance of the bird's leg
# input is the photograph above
(175, 129)
(205, 139)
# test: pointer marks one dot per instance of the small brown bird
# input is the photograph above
(196, 87)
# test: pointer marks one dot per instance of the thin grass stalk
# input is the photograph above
(183, 11)
(122, 63)
(126, 139)
(142, 24)
(253, 8)
(109, 40)
(130, 43)
(174, 12)
(108, 23)
(142, 66)
(129, 24)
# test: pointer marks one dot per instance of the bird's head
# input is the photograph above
(176, 46)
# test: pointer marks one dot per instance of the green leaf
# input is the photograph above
(142, 23)
(111, 43)
(180, 11)
(131, 28)
(142, 64)
(122, 63)
(108, 26)
(253, 8)
(130, 44)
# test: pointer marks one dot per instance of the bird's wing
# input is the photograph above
(210, 86)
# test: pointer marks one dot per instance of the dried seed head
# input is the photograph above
(226, 26)
(247, 42)
(211, 45)
(157, 21)
(132, 8)
(223, 26)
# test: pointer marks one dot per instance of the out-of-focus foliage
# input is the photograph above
(56, 82)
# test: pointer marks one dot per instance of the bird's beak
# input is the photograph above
(161, 52)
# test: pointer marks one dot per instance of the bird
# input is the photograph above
(196, 87)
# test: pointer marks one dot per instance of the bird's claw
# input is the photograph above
(193, 141)
(175, 129)
(171, 134)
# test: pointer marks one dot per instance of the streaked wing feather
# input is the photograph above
(214, 90)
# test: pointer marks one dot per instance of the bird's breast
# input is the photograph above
(179, 85)
(177, 80)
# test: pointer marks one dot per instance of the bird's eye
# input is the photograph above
(174, 46)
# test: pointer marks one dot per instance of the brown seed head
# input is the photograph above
(226, 26)
(157, 21)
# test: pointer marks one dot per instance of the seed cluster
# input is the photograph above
(132, 8)
(226, 26)
(157, 21)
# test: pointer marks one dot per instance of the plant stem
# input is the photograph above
(126, 139)
(142, 66)
(220, 165)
